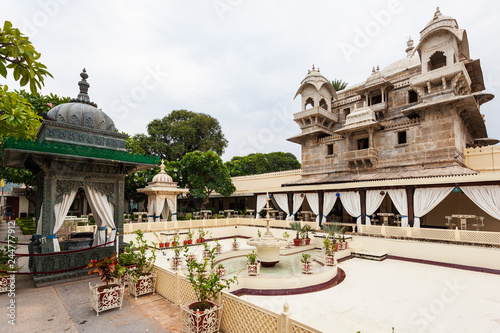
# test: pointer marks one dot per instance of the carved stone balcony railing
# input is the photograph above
(363, 157)
(315, 115)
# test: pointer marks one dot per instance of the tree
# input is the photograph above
(17, 53)
(339, 85)
(181, 132)
(204, 173)
(258, 163)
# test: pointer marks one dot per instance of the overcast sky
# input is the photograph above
(240, 61)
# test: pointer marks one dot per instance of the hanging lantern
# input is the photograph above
(456, 190)
(382, 192)
(337, 194)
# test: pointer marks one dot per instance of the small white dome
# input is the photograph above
(162, 176)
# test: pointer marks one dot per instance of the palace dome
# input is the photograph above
(81, 111)
(162, 176)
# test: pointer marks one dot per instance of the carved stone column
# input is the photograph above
(362, 197)
(290, 202)
(409, 197)
(321, 195)
(49, 199)
(119, 209)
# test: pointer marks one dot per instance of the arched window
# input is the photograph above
(309, 103)
(322, 104)
(437, 60)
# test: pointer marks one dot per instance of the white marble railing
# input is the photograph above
(456, 235)
(193, 224)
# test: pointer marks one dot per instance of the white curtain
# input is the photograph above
(151, 209)
(328, 202)
(352, 204)
(373, 201)
(103, 211)
(172, 205)
(166, 209)
(425, 199)
(159, 209)
(486, 197)
(282, 201)
(261, 203)
(399, 200)
(39, 224)
(298, 198)
(313, 200)
(61, 209)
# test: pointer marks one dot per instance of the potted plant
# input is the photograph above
(176, 259)
(307, 266)
(298, 228)
(105, 296)
(127, 261)
(236, 245)
(286, 235)
(190, 235)
(143, 279)
(161, 244)
(206, 250)
(259, 234)
(202, 315)
(201, 236)
(329, 254)
(252, 264)
(8, 261)
(218, 247)
(222, 271)
(175, 238)
(306, 230)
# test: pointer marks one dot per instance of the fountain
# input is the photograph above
(268, 247)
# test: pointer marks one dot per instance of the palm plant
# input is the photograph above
(339, 85)
(297, 227)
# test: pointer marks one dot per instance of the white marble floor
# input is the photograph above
(376, 296)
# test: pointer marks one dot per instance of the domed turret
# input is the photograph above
(162, 176)
(81, 111)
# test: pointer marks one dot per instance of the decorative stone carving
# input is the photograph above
(66, 186)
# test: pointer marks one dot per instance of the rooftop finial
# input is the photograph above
(313, 66)
(437, 13)
(410, 47)
(373, 69)
(162, 167)
(378, 68)
(83, 96)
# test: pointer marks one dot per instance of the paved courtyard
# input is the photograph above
(376, 296)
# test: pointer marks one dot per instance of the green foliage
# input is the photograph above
(108, 268)
(251, 258)
(305, 229)
(339, 85)
(306, 257)
(144, 264)
(127, 258)
(201, 233)
(18, 54)
(297, 227)
(258, 163)
(286, 235)
(181, 132)
(206, 282)
(328, 246)
(8, 261)
(204, 173)
(190, 234)
(17, 118)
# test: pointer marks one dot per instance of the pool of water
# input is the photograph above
(288, 265)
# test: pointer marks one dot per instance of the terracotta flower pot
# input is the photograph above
(308, 241)
(161, 245)
(186, 242)
(297, 241)
(174, 243)
(198, 241)
(167, 244)
(190, 241)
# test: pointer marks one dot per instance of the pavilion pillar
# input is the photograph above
(119, 208)
(409, 197)
(290, 201)
(49, 199)
(321, 195)
(362, 197)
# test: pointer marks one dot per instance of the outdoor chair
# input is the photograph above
(450, 224)
(479, 222)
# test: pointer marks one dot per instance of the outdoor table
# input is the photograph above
(385, 217)
(463, 219)
(205, 213)
(229, 212)
(306, 214)
(273, 213)
(251, 212)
